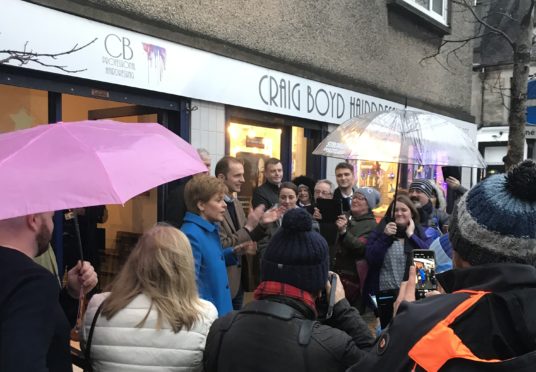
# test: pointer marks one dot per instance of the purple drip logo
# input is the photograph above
(156, 58)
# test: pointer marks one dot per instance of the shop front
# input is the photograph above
(493, 145)
(108, 232)
(224, 105)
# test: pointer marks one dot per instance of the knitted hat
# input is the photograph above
(496, 220)
(372, 195)
(296, 255)
(423, 185)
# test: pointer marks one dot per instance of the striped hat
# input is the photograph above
(423, 185)
(496, 220)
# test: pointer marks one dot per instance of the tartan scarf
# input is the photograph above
(271, 288)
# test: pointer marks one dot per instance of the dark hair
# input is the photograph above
(289, 185)
(407, 201)
(223, 165)
(345, 165)
(306, 181)
(271, 161)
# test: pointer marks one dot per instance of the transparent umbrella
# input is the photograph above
(404, 137)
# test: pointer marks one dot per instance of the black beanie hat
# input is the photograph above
(296, 255)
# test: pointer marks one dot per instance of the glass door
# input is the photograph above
(254, 145)
(109, 232)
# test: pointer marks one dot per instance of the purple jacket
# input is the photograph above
(377, 245)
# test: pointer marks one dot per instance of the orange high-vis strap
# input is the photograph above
(441, 344)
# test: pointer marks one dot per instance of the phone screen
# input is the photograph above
(425, 267)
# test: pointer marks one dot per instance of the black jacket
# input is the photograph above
(267, 194)
(34, 332)
(253, 340)
(345, 202)
(500, 326)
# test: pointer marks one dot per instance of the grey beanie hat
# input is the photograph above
(495, 221)
(371, 194)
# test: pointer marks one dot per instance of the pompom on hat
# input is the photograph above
(496, 220)
(296, 255)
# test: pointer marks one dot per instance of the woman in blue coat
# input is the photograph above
(206, 206)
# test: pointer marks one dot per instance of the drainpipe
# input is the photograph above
(483, 76)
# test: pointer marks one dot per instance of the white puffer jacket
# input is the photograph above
(118, 345)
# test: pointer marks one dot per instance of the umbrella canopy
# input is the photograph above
(402, 136)
(81, 164)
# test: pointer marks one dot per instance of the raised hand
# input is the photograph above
(317, 215)
(411, 228)
(81, 277)
(390, 229)
(254, 217)
(341, 223)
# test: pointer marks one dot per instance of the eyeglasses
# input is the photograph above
(321, 192)
(358, 197)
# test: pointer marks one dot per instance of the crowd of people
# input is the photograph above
(178, 302)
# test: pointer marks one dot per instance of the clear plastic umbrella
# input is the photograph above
(404, 137)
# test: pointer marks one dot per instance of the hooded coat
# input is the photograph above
(499, 326)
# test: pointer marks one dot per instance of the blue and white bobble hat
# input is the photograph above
(496, 220)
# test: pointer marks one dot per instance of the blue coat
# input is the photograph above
(210, 261)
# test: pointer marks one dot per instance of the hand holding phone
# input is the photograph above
(425, 268)
(332, 291)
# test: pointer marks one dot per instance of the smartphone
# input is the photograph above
(325, 303)
(425, 267)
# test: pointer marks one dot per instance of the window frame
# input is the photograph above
(444, 19)
(430, 19)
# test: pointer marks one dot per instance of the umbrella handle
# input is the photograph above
(78, 237)
(75, 332)
(396, 191)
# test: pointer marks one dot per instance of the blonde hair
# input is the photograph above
(161, 266)
(201, 189)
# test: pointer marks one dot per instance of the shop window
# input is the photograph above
(253, 144)
(109, 240)
(299, 153)
(22, 108)
(382, 177)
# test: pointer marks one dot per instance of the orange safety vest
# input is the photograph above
(441, 344)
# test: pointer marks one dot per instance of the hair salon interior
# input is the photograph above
(248, 78)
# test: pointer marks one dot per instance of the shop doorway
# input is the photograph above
(255, 144)
(109, 232)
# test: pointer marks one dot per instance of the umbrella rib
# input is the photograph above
(117, 197)
(27, 144)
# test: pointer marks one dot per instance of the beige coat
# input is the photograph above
(231, 237)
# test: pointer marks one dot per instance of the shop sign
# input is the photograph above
(136, 60)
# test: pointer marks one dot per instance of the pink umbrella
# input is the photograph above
(86, 163)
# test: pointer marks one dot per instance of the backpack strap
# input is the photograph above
(87, 350)
(283, 312)
(211, 364)
(260, 307)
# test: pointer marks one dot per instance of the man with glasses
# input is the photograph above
(323, 190)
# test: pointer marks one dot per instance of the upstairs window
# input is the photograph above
(436, 9)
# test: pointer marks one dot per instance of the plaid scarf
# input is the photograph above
(269, 288)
